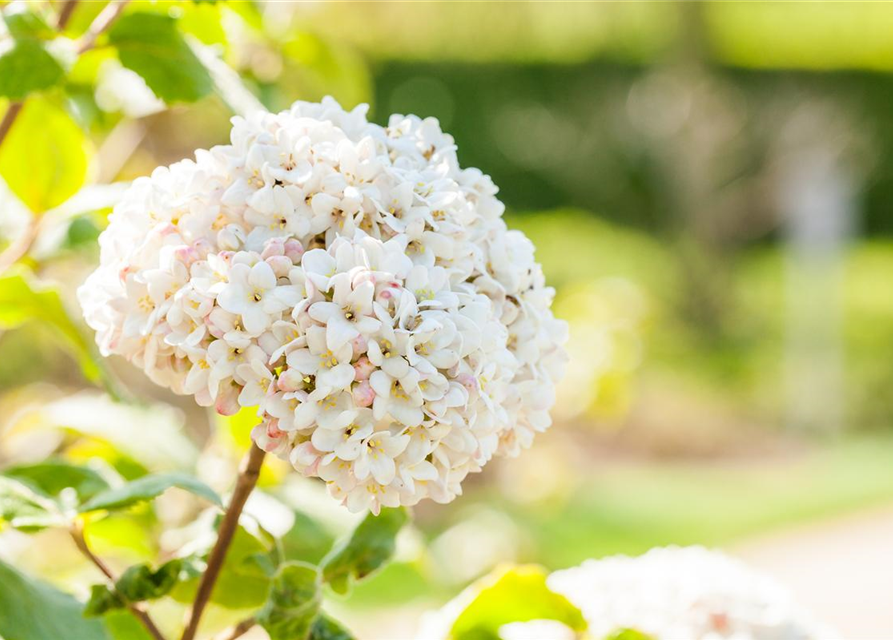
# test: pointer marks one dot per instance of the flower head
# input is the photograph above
(350, 281)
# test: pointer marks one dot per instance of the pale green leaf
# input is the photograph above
(147, 488)
(293, 603)
(150, 44)
(518, 594)
(370, 545)
(44, 156)
(25, 508)
(33, 610)
(22, 301)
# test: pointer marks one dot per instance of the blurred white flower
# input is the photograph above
(353, 283)
(686, 592)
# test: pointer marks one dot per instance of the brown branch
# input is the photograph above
(100, 24)
(249, 471)
(237, 631)
(77, 534)
(65, 14)
(8, 118)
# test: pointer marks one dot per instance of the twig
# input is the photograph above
(248, 474)
(237, 631)
(19, 247)
(77, 534)
(65, 14)
(100, 24)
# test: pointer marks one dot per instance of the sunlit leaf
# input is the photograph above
(44, 156)
(324, 628)
(33, 610)
(150, 44)
(370, 545)
(147, 488)
(22, 301)
(517, 594)
(152, 435)
(27, 67)
(293, 603)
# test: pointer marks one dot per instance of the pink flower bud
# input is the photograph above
(281, 265)
(290, 380)
(228, 400)
(273, 247)
(359, 345)
(363, 368)
(293, 250)
(363, 394)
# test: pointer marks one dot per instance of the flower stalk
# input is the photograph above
(248, 475)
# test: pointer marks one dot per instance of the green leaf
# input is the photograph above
(22, 301)
(150, 44)
(293, 603)
(27, 67)
(51, 477)
(307, 540)
(324, 628)
(44, 156)
(147, 488)
(23, 507)
(33, 610)
(102, 600)
(24, 24)
(137, 584)
(243, 582)
(370, 545)
(518, 594)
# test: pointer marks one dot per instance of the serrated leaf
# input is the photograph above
(44, 156)
(140, 582)
(26, 67)
(147, 488)
(324, 628)
(102, 600)
(517, 594)
(33, 610)
(24, 508)
(22, 301)
(293, 603)
(370, 545)
(150, 44)
(51, 477)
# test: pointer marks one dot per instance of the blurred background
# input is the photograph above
(708, 186)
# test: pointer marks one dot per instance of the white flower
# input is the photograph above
(351, 281)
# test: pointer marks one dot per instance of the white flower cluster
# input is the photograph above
(353, 283)
(686, 592)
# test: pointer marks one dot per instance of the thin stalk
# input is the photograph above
(249, 471)
(236, 631)
(77, 534)
(100, 24)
